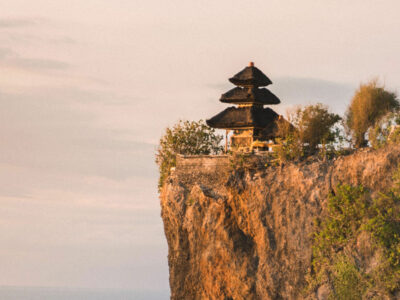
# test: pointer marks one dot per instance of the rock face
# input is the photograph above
(237, 229)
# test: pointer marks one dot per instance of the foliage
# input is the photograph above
(386, 130)
(314, 125)
(185, 137)
(288, 145)
(238, 161)
(370, 102)
(350, 212)
(313, 129)
(347, 280)
(288, 148)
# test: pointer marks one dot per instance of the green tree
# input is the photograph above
(370, 102)
(185, 137)
(308, 127)
(315, 125)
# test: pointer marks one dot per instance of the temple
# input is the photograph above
(252, 124)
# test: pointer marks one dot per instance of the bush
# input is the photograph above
(386, 130)
(370, 102)
(352, 211)
(185, 137)
(347, 281)
(288, 148)
(313, 125)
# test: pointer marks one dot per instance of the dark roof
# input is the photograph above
(249, 95)
(250, 76)
(240, 117)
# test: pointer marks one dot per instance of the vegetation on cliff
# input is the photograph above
(359, 224)
(312, 131)
(371, 116)
(369, 104)
(385, 131)
(188, 138)
(240, 232)
(237, 229)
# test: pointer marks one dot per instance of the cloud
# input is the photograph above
(303, 91)
(18, 22)
(26, 31)
(296, 90)
(81, 196)
(10, 58)
(220, 86)
(37, 63)
(64, 138)
(5, 52)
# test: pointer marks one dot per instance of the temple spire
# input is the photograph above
(250, 77)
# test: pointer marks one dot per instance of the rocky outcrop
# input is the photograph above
(242, 230)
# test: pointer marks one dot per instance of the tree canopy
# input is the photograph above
(185, 137)
(370, 102)
(314, 124)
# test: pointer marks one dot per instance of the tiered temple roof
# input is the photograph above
(250, 77)
(243, 117)
(240, 95)
(247, 117)
(250, 98)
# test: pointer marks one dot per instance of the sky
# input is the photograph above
(88, 87)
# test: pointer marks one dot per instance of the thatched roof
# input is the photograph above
(250, 76)
(249, 95)
(241, 117)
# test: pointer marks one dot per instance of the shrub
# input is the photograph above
(313, 125)
(185, 137)
(386, 130)
(347, 281)
(288, 148)
(350, 212)
(370, 102)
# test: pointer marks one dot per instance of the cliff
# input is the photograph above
(238, 229)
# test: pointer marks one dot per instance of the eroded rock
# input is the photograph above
(246, 233)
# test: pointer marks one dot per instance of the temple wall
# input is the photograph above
(207, 163)
(217, 163)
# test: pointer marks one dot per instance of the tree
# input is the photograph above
(370, 102)
(185, 137)
(312, 126)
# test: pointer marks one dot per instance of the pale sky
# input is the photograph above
(87, 88)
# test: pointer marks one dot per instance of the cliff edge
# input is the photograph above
(245, 232)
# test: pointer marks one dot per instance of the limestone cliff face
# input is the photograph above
(246, 233)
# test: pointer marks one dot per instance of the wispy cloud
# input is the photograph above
(298, 90)
(19, 22)
(5, 52)
(32, 30)
(64, 137)
(10, 58)
(37, 63)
